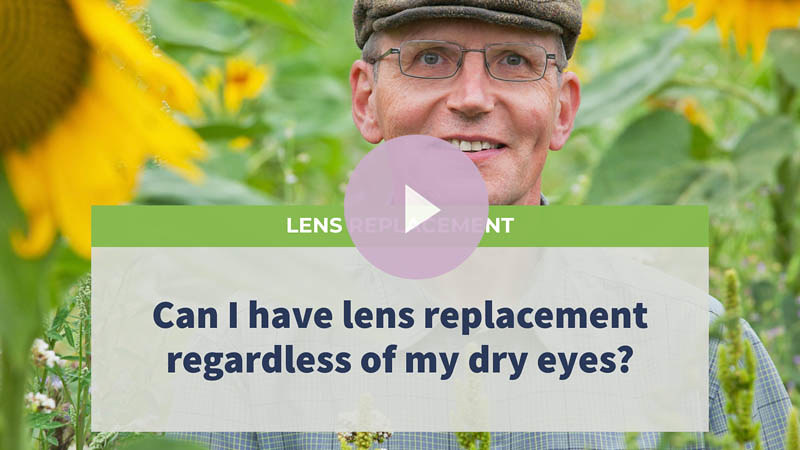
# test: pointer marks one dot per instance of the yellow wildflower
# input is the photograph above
(243, 80)
(694, 113)
(78, 136)
(688, 107)
(239, 144)
(749, 21)
(212, 79)
(592, 15)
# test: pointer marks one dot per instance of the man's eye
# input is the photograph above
(430, 58)
(514, 60)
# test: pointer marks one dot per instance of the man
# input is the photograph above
(525, 117)
(489, 76)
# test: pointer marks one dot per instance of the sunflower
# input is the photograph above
(243, 80)
(749, 21)
(86, 102)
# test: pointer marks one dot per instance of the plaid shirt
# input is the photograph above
(770, 408)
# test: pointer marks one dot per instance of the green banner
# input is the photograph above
(509, 226)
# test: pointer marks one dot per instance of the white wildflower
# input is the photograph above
(39, 402)
(42, 355)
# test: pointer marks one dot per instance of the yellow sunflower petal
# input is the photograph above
(674, 7)
(143, 118)
(725, 18)
(703, 11)
(759, 31)
(40, 237)
(741, 32)
(748, 21)
(110, 32)
(25, 175)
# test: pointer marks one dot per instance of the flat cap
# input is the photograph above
(562, 17)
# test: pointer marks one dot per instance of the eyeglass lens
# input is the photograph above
(508, 61)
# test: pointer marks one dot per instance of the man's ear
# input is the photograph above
(569, 98)
(362, 87)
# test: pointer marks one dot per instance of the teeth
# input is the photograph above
(471, 146)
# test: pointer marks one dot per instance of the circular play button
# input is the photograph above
(416, 207)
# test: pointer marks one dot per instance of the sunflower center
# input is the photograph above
(43, 62)
(240, 78)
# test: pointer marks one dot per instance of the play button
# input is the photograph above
(416, 207)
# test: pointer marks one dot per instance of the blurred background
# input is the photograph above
(247, 102)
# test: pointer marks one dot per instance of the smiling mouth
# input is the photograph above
(474, 146)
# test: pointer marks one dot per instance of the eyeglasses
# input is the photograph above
(510, 61)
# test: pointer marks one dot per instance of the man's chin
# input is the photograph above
(499, 196)
(498, 186)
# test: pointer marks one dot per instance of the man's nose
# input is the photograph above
(470, 95)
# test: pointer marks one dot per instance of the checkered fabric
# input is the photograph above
(770, 408)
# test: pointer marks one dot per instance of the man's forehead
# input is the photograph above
(467, 32)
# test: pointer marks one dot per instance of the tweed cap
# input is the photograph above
(562, 17)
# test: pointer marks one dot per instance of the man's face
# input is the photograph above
(522, 119)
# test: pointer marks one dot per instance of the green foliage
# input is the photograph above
(476, 440)
(361, 440)
(657, 154)
(197, 24)
(761, 149)
(652, 154)
(785, 45)
(738, 383)
(631, 80)
(631, 441)
(160, 186)
(793, 431)
(22, 302)
(273, 12)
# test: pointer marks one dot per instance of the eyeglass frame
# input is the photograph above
(396, 50)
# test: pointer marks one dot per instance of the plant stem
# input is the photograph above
(786, 93)
(731, 89)
(79, 406)
(12, 392)
(66, 390)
